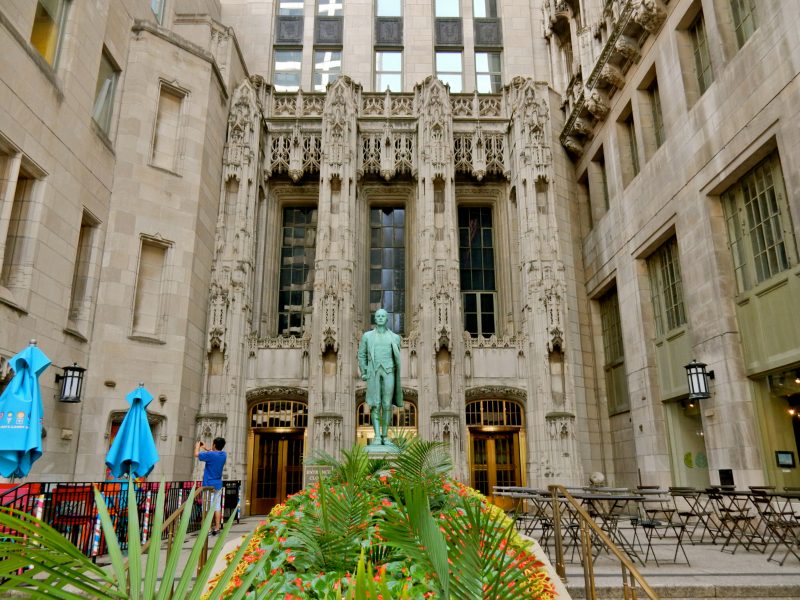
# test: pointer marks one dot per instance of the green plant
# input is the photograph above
(38, 560)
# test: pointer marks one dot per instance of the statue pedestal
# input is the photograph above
(382, 450)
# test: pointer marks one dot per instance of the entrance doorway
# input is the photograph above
(277, 444)
(495, 428)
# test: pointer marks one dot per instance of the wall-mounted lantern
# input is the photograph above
(698, 380)
(71, 383)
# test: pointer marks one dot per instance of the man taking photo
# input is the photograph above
(212, 475)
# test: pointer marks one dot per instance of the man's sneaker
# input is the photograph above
(214, 532)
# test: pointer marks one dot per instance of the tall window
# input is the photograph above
(286, 75)
(157, 6)
(627, 147)
(147, 306)
(759, 227)
(476, 257)
(449, 69)
(387, 264)
(614, 366)
(327, 68)
(484, 9)
(167, 128)
(666, 287)
(655, 108)
(389, 8)
(296, 288)
(290, 8)
(632, 144)
(48, 28)
(487, 73)
(702, 58)
(388, 71)
(744, 19)
(329, 8)
(16, 238)
(447, 8)
(83, 277)
(104, 93)
(598, 181)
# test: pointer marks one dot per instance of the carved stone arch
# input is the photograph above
(409, 394)
(157, 422)
(276, 392)
(499, 392)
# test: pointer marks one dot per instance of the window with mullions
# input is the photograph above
(327, 68)
(487, 73)
(296, 288)
(290, 8)
(476, 256)
(329, 8)
(614, 366)
(759, 227)
(666, 287)
(484, 9)
(286, 75)
(387, 264)
(449, 70)
(744, 19)
(388, 71)
(702, 58)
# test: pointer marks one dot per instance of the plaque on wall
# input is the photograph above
(488, 32)
(328, 31)
(289, 30)
(449, 32)
(388, 31)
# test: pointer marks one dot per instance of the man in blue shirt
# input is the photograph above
(212, 475)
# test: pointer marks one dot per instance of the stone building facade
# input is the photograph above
(559, 203)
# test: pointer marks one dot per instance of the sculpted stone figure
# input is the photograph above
(379, 362)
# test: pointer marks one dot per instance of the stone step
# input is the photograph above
(678, 591)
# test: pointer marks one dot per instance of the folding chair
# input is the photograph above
(694, 511)
(783, 527)
(658, 519)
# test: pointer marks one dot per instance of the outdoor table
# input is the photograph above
(733, 508)
(607, 509)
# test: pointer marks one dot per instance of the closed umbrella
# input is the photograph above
(133, 451)
(21, 414)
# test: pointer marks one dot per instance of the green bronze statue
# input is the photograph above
(379, 362)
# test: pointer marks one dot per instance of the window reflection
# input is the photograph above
(296, 287)
(387, 265)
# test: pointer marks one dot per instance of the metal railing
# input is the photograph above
(590, 535)
(70, 508)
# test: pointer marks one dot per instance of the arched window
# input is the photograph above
(494, 413)
(402, 417)
(279, 413)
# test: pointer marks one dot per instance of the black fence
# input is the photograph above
(70, 507)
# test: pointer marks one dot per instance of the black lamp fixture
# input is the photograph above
(698, 380)
(71, 383)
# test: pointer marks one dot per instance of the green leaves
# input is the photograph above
(55, 568)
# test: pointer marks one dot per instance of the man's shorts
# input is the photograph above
(216, 499)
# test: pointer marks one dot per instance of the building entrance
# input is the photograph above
(276, 444)
(495, 428)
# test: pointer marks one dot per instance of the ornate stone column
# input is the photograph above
(223, 409)
(441, 404)
(332, 352)
(550, 412)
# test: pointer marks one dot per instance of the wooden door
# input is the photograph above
(277, 469)
(494, 460)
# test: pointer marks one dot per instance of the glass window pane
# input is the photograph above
(447, 8)
(448, 61)
(389, 61)
(104, 93)
(296, 279)
(389, 8)
(388, 81)
(287, 70)
(329, 8)
(290, 8)
(327, 68)
(485, 9)
(454, 81)
(387, 264)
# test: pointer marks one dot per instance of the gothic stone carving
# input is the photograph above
(445, 427)
(499, 392)
(339, 115)
(330, 311)
(276, 392)
(435, 122)
(531, 111)
(597, 104)
(448, 32)
(209, 426)
(327, 432)
(488, 32)
(290, 30)
(218, 318)
(650, 14)
(329, 30)
(627, 47)
(389, 31)
(572, 144)
(611, 75)
(442, 301)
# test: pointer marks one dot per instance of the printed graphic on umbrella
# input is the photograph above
(133, 451)
(21, 414)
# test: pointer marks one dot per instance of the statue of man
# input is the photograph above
(379, 362)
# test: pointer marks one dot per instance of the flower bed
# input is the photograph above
(423, 535)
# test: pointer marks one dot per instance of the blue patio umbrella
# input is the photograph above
(133, 451)
(21, 414)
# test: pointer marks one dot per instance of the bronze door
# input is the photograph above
(494, 461)
(277, 469)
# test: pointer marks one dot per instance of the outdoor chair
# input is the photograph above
(736, 521)
(695, 512)
(658, 520)
(780, 522)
